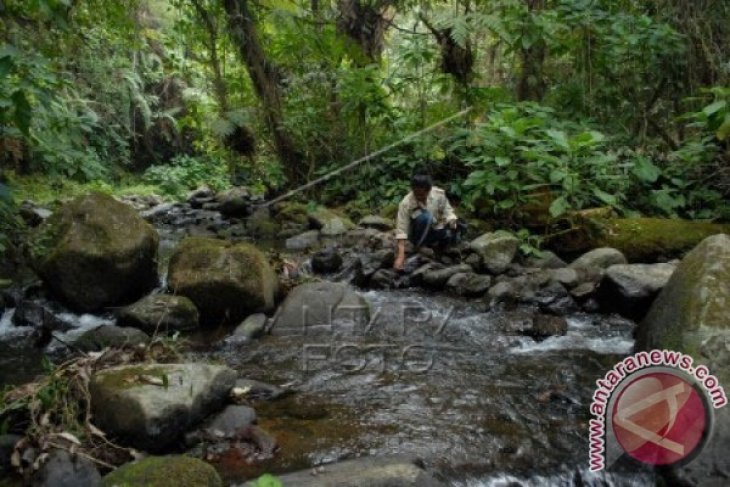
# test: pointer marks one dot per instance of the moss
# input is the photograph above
(126, 378)
(389, 211)
(292, 212)
(646, 239)
(170, 471)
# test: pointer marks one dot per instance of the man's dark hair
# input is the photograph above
(421, 180)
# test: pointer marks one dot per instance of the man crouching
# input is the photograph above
(425, 218)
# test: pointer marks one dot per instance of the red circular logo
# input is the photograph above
(660, 418)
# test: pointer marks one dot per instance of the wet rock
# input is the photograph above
(469, 284)
(583, 291)
(39, 315)
(315, 308)
(690, 316)
(328, 223)
(366, 238)
(7, 445)
(385, 279)
(168, 471)
(377, 222)
(546, 260)
(96, 252)
(110, 336)
(61, 469)
(566, 276)
(160, 313)
(225, 281)
(203, 192)
(473, 260)
(32, 214)
(601, 258)
(252, 327)
(151, 406)
(157, 211)
(367, 265)
(235, 202)
(303, 241)
(261, 225)
(326, 261)
(363, 472)
(537, 326)
(629, 289)
(225, 425)
(437, 278)
(497, 250)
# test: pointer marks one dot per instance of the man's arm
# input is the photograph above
(449, 213)
(401, 235)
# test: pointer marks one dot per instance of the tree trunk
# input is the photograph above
(265, 79)
(531, 85)
(365, 23)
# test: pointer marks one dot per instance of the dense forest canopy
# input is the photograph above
(585, 103)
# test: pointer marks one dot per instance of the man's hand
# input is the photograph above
(399, 263)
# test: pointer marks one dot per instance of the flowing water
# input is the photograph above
(431, 376)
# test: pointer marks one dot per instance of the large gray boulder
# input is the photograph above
(329, 223)
(160, 313)
(497, 250)
(150, 407)
(320, 307)
(602, 258)
(363, 472)
(225, 281)
(629, 289)
(690, 315)
(96, 252)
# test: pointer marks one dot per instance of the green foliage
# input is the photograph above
(267, 480)
(187, 172)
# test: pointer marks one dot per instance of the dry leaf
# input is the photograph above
(69, 437)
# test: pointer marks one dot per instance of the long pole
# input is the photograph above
(365, 158)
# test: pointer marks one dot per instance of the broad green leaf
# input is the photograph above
(502, 161)
(607, 198)
(557, 175)
(559, 206)
(559, 139)
(22, 113)
(723, 132)
(6, 65)
(645, 170)
(715, 107)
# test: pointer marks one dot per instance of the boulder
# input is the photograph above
(39, 315)
(160, 313)
(601, 258)
(469, 284)
(437, 278)
(629, 289)
(363, 472)
(261, 225)
(497, 250)
(95, 252)
(225, 425)
(690, 315)
(110, 336)
(546, 260)
(377, 222)
(326, 261)
(329, 223)
(235, 202)
(252, 327)
(316, 307)
(151, 406)
(61, 469)
(303, 241)
(292, 212)
(225, 281)
(385, 279)
(169, 471)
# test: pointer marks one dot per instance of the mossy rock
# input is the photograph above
(389, 211)
(169, 471)
(329, 222)
(160, 313)
(292, 212)
(639, 239)
(225, 281)
(95, 252)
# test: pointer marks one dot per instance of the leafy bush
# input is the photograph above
(187, 172)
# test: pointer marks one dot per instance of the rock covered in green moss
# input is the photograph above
(151, 407)
(160, 313)
(639, 239)
(226, 281)
(329, 223)
(96, 252)
(690, 315)
(168, 471)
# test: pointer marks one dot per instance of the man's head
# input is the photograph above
(421, 184)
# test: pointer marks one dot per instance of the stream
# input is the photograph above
(433, 376)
